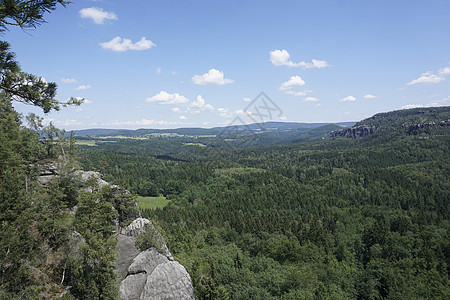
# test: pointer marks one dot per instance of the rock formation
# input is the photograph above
(149, 274)
(354, 132)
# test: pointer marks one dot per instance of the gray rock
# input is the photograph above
(147, 261)
(136, 227)
(127, 249)
(168, 281)
(131, 287)
(153, 276)
(85, 175)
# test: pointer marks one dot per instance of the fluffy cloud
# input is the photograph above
(165, 98)
(226, 113)
(439, 102)
(408, 106)
(282, 58)
(200, 104)
(97, 15)
(291, 83)
(142, 122)
(369, 96)
(182, 117)
(427, 77)
(212, 77)
(68, 80)
(158, 71)
(310, 99)
(118, 44)
(299, 93)
(430, 77)
(444, 72)
(348, 99)
(83, 87)
(246, 99)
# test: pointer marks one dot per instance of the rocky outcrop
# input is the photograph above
(445, 123)
(417, 126)
(354, 132)
(136, 227)
(49, 170)
(151, 274)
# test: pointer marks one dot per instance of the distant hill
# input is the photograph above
(431, 120)
(244, 129)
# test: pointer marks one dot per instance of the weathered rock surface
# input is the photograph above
(354, 132)
(127, 252)
(149, 274)
(168, 281)
(136, 227)
(153, 276)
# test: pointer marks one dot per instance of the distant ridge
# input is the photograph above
(256, 127)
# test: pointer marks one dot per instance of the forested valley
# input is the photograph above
(312, 212)
(339, 218)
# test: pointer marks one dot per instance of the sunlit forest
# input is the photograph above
(335, 218)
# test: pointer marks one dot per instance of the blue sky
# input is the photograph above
(168, 64)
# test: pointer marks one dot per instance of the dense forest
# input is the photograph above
(341, 218)
(311, 213)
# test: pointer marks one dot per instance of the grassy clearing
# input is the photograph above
(89, 143)
(195, 144)
(122, 137)
(151, 202)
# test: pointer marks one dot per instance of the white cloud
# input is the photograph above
(165, 98)
(299, 93)
(348, 99)
(183, 118)
(174, 73)
(118, 44)
(200, 104)
(431, 78)
(445, 71)
(408, 106)
(68, 80)
(158, 71)
(65, 123)
(291, 83)
(83, 87)
(369, 96)
(282, 58)
(212, 77)
(439, 102)
(427, 77)
(97, 15)
(142, 122)
(310, 99)
(176, 109)
(246, 99)
(283, 118)
(226, 113)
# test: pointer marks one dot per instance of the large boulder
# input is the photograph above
(153, 276)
